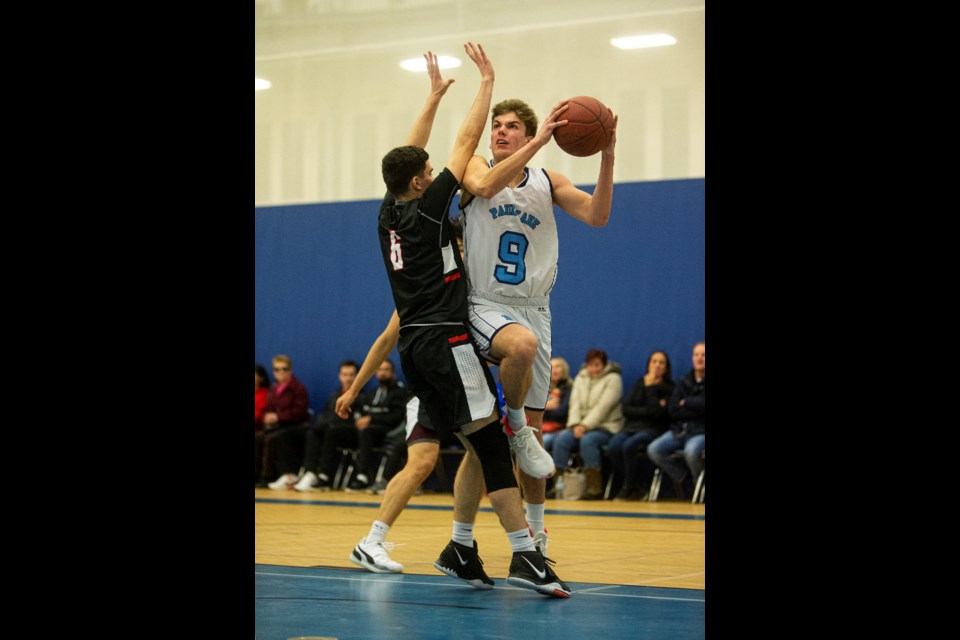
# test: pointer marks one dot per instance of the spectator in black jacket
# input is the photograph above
(687, 433)
(647, 416)
(384, 412)
(376, 413)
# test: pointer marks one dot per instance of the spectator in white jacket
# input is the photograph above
(595, 416)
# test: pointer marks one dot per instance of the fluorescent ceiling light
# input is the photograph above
(638, 42)
(420, 64)
(263, 84)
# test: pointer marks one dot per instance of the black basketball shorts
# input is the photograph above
(444, 369)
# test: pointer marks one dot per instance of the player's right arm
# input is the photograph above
(481, 180)
(473, 125)
(379, 351)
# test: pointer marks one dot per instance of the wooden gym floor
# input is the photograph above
(637, 569)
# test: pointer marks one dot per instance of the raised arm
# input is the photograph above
(468, 137)
(379, 351)
(593, 210)
(481, 180)
(420, 133)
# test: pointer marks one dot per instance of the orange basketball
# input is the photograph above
(589, 128)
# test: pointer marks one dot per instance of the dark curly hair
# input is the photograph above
(399, 167)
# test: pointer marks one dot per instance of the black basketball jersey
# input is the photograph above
(424, 266)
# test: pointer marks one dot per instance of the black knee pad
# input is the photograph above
(493, 451)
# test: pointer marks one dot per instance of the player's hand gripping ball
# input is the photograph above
(589, 127)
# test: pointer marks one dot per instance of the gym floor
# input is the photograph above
(636, 569)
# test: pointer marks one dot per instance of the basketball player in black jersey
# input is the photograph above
(441, 364)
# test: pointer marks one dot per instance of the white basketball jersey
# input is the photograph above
(510, 240)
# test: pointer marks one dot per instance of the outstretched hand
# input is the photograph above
(479, 57)
(438, 85)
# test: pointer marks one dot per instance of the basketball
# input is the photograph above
(588, 129)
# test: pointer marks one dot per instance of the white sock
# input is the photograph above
(516, 418)
(535, 517)
(378, 531)
(521, 540)
(463, 533)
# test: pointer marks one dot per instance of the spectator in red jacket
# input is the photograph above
(287, 407)
(261, 389)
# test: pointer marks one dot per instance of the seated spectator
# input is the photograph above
(384, 412)
(595, 416)
(687, 427)
(286, 413)
(646, 414)
(558, 403)
(314, 435)
(261, 391)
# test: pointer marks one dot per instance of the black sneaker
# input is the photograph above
(460, 561)
(531, 570)
(357, 486)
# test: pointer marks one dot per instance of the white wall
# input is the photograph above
(340, 100)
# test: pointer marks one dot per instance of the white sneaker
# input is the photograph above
(373, 556)
(308, 482)
(283, 483)
(533, 458)
(540, 542)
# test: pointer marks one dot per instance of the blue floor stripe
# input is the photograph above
(433, 507)
(351, 604)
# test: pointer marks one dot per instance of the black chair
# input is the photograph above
(699, 490)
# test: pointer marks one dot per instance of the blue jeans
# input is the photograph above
(663, 447)
(589, 446)
(548, 439)
(624, 449)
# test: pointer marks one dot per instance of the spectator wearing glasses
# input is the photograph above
(287, 407)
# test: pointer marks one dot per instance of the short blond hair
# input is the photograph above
(284, 359)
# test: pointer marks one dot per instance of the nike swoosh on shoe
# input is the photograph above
(540, 574)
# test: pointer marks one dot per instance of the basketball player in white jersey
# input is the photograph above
(511, 253)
